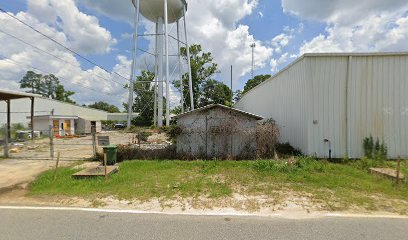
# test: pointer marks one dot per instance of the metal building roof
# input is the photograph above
(218, 106)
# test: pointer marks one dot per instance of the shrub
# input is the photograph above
(374, 150)
(131, 152)
(290, 165)
(267, 135)
(172, 132)
(287, 149)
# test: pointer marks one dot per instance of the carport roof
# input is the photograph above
(10, 95)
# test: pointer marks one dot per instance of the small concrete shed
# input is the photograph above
(217, 131)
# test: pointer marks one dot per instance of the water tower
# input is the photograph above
(162, 13)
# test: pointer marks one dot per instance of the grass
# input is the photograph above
(332, 186)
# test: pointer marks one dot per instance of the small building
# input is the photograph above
(61, 125)
(217, 131)
(84, 126)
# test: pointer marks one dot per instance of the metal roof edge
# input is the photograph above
(221, 106)
(274, 76)
(305, 55)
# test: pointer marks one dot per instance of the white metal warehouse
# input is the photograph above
(340, 97)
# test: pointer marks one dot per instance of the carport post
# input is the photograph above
(32, 118)
(6, 142)
(51, 132)
(8, 127)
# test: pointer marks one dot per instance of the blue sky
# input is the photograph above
(282, 29)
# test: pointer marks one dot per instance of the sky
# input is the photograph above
(101, 31)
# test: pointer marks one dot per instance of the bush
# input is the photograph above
(374, 150)
(131, 152)
(289, 166)
(172, 132)
(267, 135)
(286, 149)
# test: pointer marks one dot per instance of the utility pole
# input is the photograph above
(133, 69)
(253, 45)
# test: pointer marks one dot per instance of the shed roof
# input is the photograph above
(211, 106)
(9, 95)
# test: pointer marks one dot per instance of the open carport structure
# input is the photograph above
(8, 96)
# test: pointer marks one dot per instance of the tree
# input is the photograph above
(251, 83)
(214, 92)
(237, 95)
(104, 106)
(32, 81)
(206, 90)
(144, 99)
(62, 95)
(46, 85)
(51, 83)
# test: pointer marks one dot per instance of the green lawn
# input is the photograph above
(333, 186)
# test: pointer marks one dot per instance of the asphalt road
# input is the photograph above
(56, 224)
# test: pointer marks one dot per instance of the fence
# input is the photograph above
(45, 143)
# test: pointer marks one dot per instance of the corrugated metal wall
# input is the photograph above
(378, 90)
(326, 79)
(285, 100)
(343, 98)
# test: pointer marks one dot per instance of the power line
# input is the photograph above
(53, 55)
(45, 72)
(60, 44)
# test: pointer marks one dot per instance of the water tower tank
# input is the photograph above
(153, 9)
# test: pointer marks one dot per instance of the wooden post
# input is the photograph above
(8, 135)
(6, 142)
(56, 166)
(51, 132)
(32, 118)
(398, 169)
(105, 164)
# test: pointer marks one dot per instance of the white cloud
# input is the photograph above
(354, 26)
(17, 57)
(214, 25)
(343, 12)
(275, 63)
(83, 31)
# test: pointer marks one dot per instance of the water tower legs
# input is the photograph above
(156, 78)
(159, 34)
(190, 79)
(166, 42)
(180, 69)
(133, 68)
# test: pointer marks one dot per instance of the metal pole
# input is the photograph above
(166, 45)
(51, 132)
(180, 73)
(133, 69)
(6, 142)
(93, 130)
(232, 92)
(156, 71)
(160, 74)
(32, 119)
(8, 119)
(253, 63)
(190, 78)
